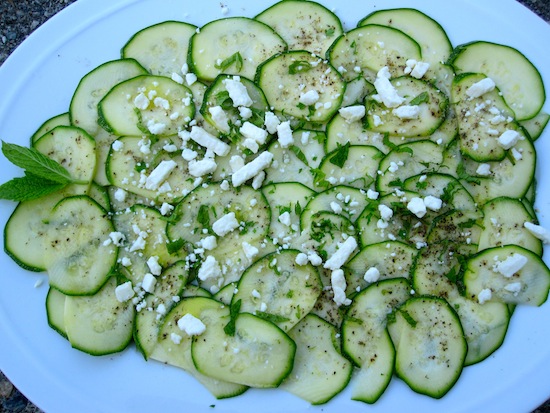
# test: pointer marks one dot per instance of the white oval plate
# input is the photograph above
(37, 82)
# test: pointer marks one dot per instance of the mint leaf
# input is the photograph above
(234, 310)
(235, 59)
(421, 98)
(28, 188)
(299, 66)
(36, 163)
(341, 155)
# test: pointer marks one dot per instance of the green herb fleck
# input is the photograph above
(234, 310)
(423, 97)
(341, 155)
(300, 66)
(235, 59)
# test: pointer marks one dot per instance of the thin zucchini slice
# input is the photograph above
(146, 105)
(366, 340)
(99, 324)
(77, 258)
(303, 25)
(508, 274)
(62, 119)
(430, 345)
(256, 354)
(161, 48)
(431, 37)
(320, 372)
(515, 76)
(234, 46)
(321, 86)
(55, 311)
(369, 48)
(277, 288)
(536, 125)
(341, 131)
(95, 85)
(174, 345)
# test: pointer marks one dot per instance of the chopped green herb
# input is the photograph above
(235, 59)
(299, 66)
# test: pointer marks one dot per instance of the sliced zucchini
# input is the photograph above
(320, 371)
(536, 125)
(62, 119)
(321, 87)
(99, 324)
(430, 345)
(234, 46)
(55, 311)
(516, 77)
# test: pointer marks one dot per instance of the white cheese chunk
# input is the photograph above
(203, 167)
(433, 203)
(225, 224)
(209, 141)
(352, 113)
(338, 283)
(124, 292)
(250, 251)
(386, 92)
(417, 207)
(284, 218)
(160, 174)
(237, 92)
(209, 269)
(407, 112)
(309, 98)
(209, 243)
(484, 169)
(385, 212)
(508, 139)
(284, 134)
(514, 288)
(148, 283)
(372, 275)
(480, 88)
(251, 169)
(484, 296)
(511, 265)
(538, 231)
(154, 266)
(251, 131)
(271, 121)
(342, 254)
(191, 325)
(219, 117)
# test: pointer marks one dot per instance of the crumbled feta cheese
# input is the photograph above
(225, 224)
(141, 101)
(301, 259)
(538, 231)
(209, 269)
(309, 98)
(385, 212)
(191, 325)
(342, 254)
(117, 238)
(511, 265)
(156, 128)
(154, 266)
(176, 338)
(407, 112)
(148, 283)
(514, 288)
(209, 141)
(372, 194)
(352, 113)
(417, 207)
(484, 169)
(203, 167)
(124, 292)
(480, 88)
(420, 69)
(251, 169)
(284, 218)
(245, 113)
(372, 275)
(251, 131)
(508, 139)
(219, 117)
(190, 78)
(433, 203)
(161, 103)
(160, 174)
(271, 121)
(284, 134)
(166, 208)
(176, 77)
(338, 282)
(237, 92)
(209, 243)
(377, 120)
(386, 92)
(139, 244)
(117, 145)
(484, 296)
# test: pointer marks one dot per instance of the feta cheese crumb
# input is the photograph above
(538, 231)
(407, 112)
(251, 131)
(124, 292)
(160, 174)
(191, 325)
(386, 92)
(484, 296)
(203, 167)
(385, 212)
(484, 169)
(210, 269)
(433, 203)
(372, 194)
(352, 113)
(220, 118)
(372, 275)
(417, 207)
(301, 259)
(309, 98)
(284, 134)
(209, 141)
(176, 338)
(251, 169)
(237, 92)
(271, 121)
(154, 266)
(342, 254)
(480, 88)
(514, 288)
(250, 251)
(339, 285)
(284, 218)
(508, 139)
(225, 224)
(511, 265)
(148, 283)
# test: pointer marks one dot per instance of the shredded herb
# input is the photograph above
(235, 59)
(341, 155)
(234, 310)
(300, 66)
(423, 97)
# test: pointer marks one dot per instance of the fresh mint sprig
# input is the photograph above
(43, 175)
